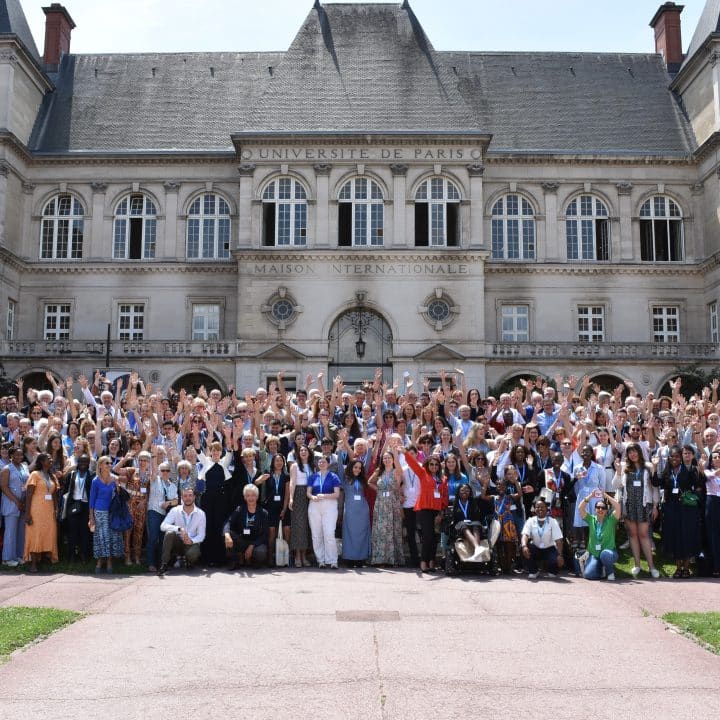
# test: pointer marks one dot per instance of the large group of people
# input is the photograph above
(379, 475)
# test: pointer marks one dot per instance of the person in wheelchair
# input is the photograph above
(542, 541)
(470, 540)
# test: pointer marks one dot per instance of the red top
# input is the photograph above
(428, 486)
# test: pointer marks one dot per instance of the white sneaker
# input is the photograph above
(625, 545)
(635, 571)
(611, 577)
(655, 573)
(321, 565)
(552, 576)
(532, 576)
(333, 566)
(11, 563)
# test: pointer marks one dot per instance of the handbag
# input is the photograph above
(63, 509)
(690, 499)
(120, 518)
(282, 551)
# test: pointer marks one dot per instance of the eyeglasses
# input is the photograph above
(601, 507)
(566, 443)
(433, 464)
(164, 470)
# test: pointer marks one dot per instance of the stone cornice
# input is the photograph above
(399, 138)
(461, 255)
(156, 157)
(586, 269)
(519, 158)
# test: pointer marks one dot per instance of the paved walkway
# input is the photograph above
(359, 644)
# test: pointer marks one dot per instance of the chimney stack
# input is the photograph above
(58, 26)
(668, 37)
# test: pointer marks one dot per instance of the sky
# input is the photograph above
(122, 26)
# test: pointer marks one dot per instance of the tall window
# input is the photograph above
(587, 229)
(514, 323)
(131, 321)
(661, 230)
(284, 213)
(437, 212)
(361, 213)
(57, 321)
(713, 312)
(135, 230)
(666, 324)
(513, 229)
(591, 323)
(208, 228)
(63, 225)
(10, 320)
(206, 322)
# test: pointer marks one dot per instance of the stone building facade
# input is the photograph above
(359, 200)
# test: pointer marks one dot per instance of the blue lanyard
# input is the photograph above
(675, 478)
(464, 508)
(598, 530)
(521, 474)
(277, 484)
(249, 518)
(357, 486)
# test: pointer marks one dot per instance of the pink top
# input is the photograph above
(712, 482)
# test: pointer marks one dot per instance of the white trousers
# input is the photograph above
(322, 515)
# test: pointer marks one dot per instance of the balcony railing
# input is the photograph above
(696, 352)
(119, 349)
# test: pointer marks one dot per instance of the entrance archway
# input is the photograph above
(360, 341)
(191, 383)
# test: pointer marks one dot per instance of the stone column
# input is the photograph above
(694, 229)
(29, 240)
(245, 223)
(622, 246)
(322, 205)
(477, 201)
(167, 246)
(8, 60)
(400, 207)
(4, 171)
(554, 251)
(100, 247)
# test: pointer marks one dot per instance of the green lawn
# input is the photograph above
(704, 627)
(21, 625)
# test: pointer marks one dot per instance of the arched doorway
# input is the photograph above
(191, 383)
(360, 342)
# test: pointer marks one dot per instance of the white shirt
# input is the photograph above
(193, 524)
(160, 493)
(542, 538)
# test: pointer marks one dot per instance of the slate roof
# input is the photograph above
(708, 24)
(13, 22)
(363, 68)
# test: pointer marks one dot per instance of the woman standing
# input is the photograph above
(356, 542)
(216, 501)
(323, 491)
(387, 546)
(162, 496)
(40, 513)
(639, 502)
(137, 484)
(13, 480)
(712, 509)
(107, 543)
(505, 503)
(680, 485)
(277, 501)
(300, 528)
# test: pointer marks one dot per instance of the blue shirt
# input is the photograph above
(323, 486)
(101, 494)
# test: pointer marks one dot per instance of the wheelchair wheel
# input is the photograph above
(451, 567)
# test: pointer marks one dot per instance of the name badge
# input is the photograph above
(246, 531)
(513, 507)
(451, 498)
(357, 497)
(143, 491)
(436, 495)
(277, 498)
(637, 483)
(598, 546)
(386, 494)
(48, 497)
(676, 491)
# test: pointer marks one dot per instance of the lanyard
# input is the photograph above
(249, 519)
(675, 477)
(598, 530)
(322, 483)
(357, 486)
(187, 520)
(521, 474)
(277, 479)
(638, 475)
(541, 528)
(464, 507)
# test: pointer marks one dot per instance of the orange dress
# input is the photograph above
(41, 536)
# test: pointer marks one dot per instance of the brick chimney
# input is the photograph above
(668, 37)
(58, 26)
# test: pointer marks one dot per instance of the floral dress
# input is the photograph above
(387, 545)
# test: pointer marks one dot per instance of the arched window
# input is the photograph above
(513, 229)
(284, 213)
(661, 230)
(437, 206)
(208, 228)
(135, 230)
(63, 226)
(361, 213)
(587, 229)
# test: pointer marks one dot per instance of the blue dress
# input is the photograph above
(356, 522)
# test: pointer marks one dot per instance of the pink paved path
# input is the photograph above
(279, 645)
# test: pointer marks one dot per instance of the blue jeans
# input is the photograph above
(607, 559)
(154, 537)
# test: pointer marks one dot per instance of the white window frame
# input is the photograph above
(670, 213)
(583, 215)
(210, 228)
(590, 323)
(60, 313)
(132, 310)
(122, 227)
(372, 201)
(291, 204)
(515, 313)
(10, 319)
(437, 193)
(713, 317)
(503, 221)
(58, 227)
(662, 319)
(206, 332)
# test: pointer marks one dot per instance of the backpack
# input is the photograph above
(120, 517)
